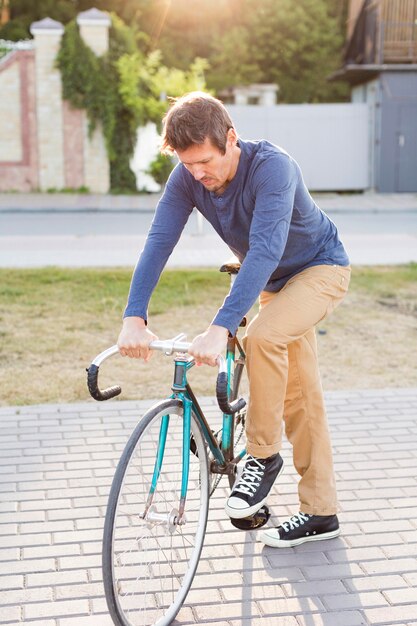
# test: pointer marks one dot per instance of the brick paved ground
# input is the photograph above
(56, 464)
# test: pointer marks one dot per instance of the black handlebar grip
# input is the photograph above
(92, 382)
(221, 392)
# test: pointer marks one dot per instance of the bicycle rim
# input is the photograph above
(148, 567)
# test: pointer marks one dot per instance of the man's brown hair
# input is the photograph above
(191, 119)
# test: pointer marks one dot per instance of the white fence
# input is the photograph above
(329, 141)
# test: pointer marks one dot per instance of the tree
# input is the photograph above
(24, 12)
(295, 45)
(145, 84)
(121, 90)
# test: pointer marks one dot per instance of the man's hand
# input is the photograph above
(206, 347)
(134, 339)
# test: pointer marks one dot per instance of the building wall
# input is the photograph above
(369, 93)
(392, 102)
(397, 164)
(355, 7)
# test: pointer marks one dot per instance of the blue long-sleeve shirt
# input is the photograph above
(267, 218)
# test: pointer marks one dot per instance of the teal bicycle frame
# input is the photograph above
(223, 460)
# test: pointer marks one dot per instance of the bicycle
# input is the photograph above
(157, 509)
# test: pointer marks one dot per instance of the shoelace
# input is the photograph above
(295, 521)
(251, 476)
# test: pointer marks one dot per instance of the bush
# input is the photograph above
(160, 168)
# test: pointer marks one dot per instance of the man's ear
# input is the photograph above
(231, 137)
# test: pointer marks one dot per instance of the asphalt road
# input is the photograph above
(130, 223)
(98, 238)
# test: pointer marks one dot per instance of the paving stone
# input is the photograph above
(356, 554)
(284, 620)
(81, 562)
(300, 589)
(291, 606)
(391, 614)
(10, 614)
(247, 593)
(11, 582)
(377, 539)
(345, 618)
(411, 578)
(265, 576)
(401, 596)
(89, 620)
(338, 571)
(54, 578)
(279, 560)
(228, 611)
(66, 476)
(19, 541)
(404, 549)
(69, 592)
(43, 622)
(390, 566)
(368, 583)
(56, 609)
(73, 514)
(354, 600)
(25, 596)
(53, 551)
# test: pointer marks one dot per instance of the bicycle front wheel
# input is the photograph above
(149, 564)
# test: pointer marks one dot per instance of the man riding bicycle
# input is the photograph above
(253, 194)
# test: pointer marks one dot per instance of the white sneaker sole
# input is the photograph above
(247, 512)
(283, 543)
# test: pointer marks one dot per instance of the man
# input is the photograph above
(254, 196)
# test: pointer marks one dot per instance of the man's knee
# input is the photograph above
(261, 336)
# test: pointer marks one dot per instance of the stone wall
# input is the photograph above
(10, 114)
(18, 122)
(44, 142)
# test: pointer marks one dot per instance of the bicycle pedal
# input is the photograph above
(257, 520)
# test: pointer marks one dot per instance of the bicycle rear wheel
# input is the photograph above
(149, 566)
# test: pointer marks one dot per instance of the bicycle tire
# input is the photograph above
(139, 588)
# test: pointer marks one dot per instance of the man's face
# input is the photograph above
(208, 165)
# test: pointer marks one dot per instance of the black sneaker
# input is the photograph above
(252, 488)
(301, 528)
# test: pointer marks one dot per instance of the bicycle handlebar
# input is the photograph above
(169, 347)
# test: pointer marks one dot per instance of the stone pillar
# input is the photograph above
(47, 34)
(94, 29)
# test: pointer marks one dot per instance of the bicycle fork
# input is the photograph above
(175, 517)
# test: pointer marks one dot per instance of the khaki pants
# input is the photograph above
(284, 380)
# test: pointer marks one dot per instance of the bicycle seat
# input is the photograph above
(231, 267)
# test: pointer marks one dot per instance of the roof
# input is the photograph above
(355, 73)
(47, 25)
(94, 17)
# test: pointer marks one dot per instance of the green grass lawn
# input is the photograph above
(54, 321)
